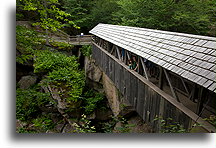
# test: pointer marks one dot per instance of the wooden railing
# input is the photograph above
(80, 38)
(62, 36)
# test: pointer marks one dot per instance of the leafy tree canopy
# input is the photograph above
(189, 16)
(48, 14)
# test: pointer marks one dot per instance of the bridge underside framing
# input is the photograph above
(147, 98)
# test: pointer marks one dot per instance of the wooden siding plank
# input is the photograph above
(117, 75)
(122, 81)
(127, 84)
(140, 98)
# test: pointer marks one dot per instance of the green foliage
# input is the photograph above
(62, 72)
(47, 61)
(43, 123)
(25, 130)
(211, 119)
(91, 100)
(102, 10)
(86, 50)
(26, 42)
(79, 10)
(124, 128)
(84, 126)
(72, 82)
(48, 14)
(189, 16)
(170, 126)
(28, 102)
(61, 45)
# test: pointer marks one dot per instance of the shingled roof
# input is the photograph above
(190, 56)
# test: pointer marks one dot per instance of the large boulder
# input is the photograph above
(111, 94)
(27, 81)
(92, 71)
(103, 114)
(68, 129)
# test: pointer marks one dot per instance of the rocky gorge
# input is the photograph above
(113, 114)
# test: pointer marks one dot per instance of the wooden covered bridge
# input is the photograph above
(175, 77)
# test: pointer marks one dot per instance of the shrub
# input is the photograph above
(91, 100)
(47, 61)
(86, 50)
(84, 126)
(71, 81)
(43, 123)
(61, 45)
(28, 102)
(26, 42)
(62, 72)
(170, 126)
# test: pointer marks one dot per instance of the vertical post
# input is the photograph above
(128, 55)
(171, 87)
(200, 101)
(108, 46)
(161, 78)
(100, 42)
(79, 39)
(125, 57)
(138, 61)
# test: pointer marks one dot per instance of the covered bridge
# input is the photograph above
(175, 75)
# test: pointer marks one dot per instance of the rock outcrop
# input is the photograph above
(120, 107)
(27, 81)
(101, 82)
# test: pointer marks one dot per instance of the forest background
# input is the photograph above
(187, 16)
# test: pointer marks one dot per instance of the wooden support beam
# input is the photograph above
(185, 87)
(118, 53)
(192, 94)
(170, 84)
(100, 42)
(113, 47)
(200, 101)
(161, 78)
(125, 57)
(123, 54)
(144, 68)
(128, 55)
(138, 62)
